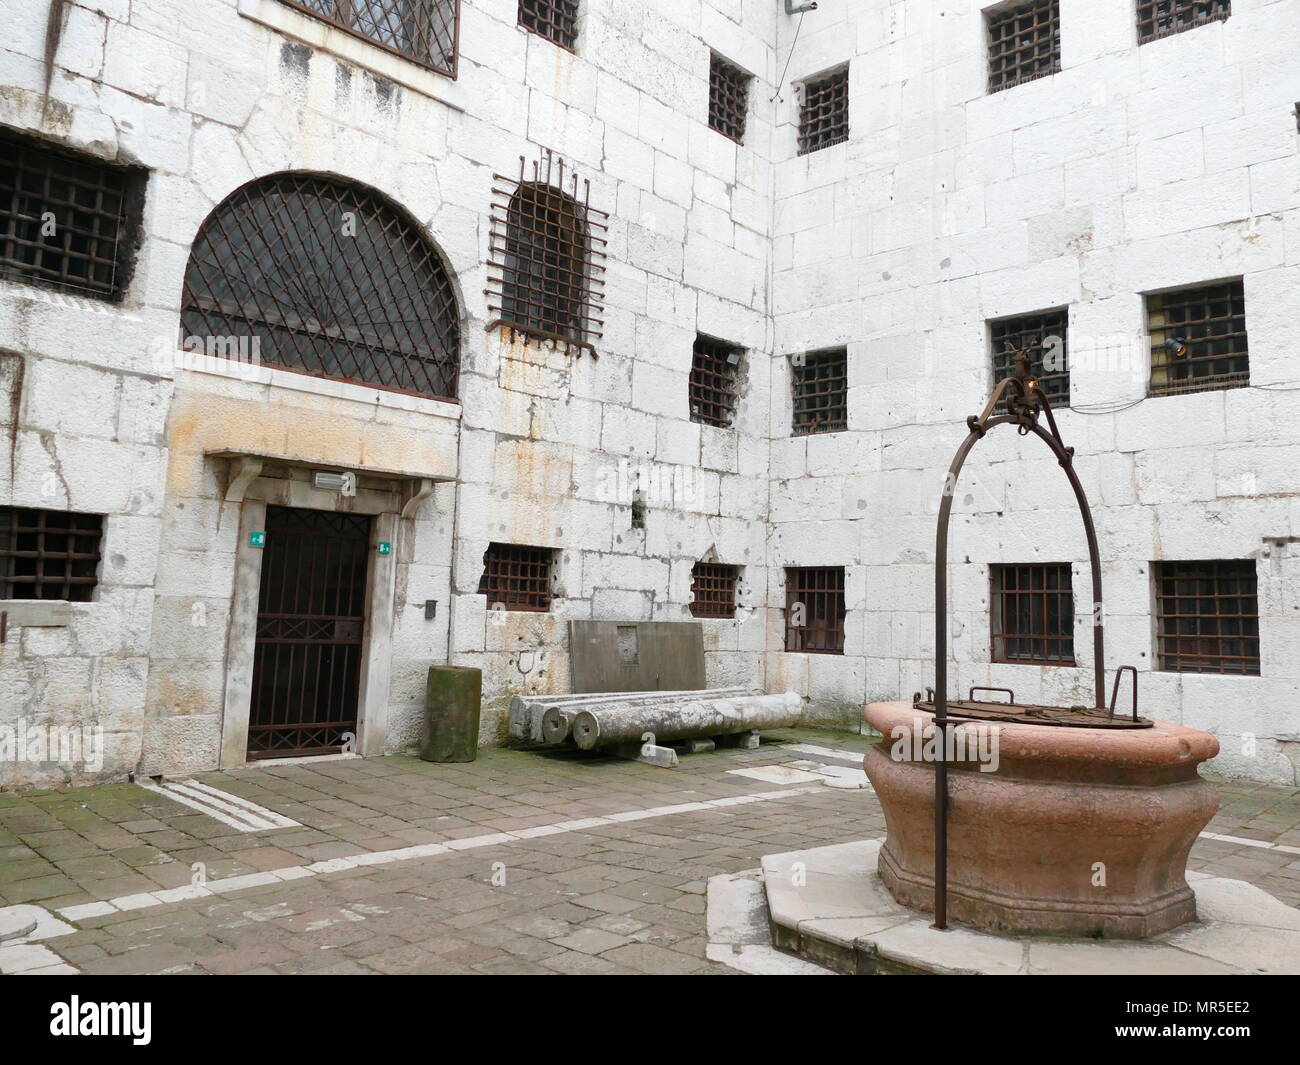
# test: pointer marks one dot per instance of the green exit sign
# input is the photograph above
(257, 539)
(385, 548)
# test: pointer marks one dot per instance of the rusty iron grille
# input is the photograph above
(1163, 18)
(713, 590)
(517, 577)
(715, 366)
(425, 31)
(824, 114)
(1207, 616)
(1043, 337)
(1033, 614)
(64, 218)
(728, 98)
(1198, 339)
(814, 609)
(49, 554)
(821, 396)
(556, 20)
(325, 277)
(310, 624)
(1024, 42)
(546, 255)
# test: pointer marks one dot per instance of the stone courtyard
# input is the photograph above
(543, 864)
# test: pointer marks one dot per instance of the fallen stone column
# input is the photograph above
(601, 725)
(527, 712)
(557, 720)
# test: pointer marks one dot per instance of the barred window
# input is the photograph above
(713, 590)
(517, 577)
(67, 220)
(821, 400)
(49, 554)
(1207, 616)
(1198, 339)
(824, 114)
(1033, 614)
(1045, 333)
(1024, 42)
(546, 257)
(728, 98)
(814, 609)
(556, 20)
(425, 31)
(715, 366)
(1163, 18)
(326, 277)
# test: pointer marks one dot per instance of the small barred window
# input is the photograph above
(49, 554)
(713, 590)
(67, 220)
(1033, 614)
(821, 392)
(824, 114)
(517, 577)
(728, 98)
(1024, 42)
(715, 366)
(556, 20)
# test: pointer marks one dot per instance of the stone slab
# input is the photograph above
(828, 904)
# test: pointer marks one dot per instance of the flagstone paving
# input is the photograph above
(617, 896)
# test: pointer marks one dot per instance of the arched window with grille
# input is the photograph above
(546, 260)
(323, 276)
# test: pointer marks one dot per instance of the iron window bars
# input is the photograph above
(728, 98)
(1024, 43)
(1030, 333)
(715, 365)
(517, 577)
(814, 609)
(1198, 339)
(713, 590)
(820, 380)
(556, 20)
(824, 113)
(324, 277)
(67, 221)
(1163, 18)
(546, 255)
(1032, 616)
(425, 31)
(49, 554)
(1207, 616)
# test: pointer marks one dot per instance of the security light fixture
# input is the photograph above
(343, 483)
(1177, 347)
(791, 8)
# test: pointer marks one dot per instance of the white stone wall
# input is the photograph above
(551, 445)
(1132, 170)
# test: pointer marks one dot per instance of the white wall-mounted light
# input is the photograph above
(327, 480)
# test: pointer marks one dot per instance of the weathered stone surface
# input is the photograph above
(842, 916)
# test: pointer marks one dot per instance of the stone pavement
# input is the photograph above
(518, 862)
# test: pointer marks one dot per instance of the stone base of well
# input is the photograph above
(1073, 832)
(828, 906)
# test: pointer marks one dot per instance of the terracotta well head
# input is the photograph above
(1052, 831)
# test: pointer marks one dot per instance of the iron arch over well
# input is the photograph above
(324, 276)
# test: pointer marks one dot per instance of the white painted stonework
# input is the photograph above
(1133, 169)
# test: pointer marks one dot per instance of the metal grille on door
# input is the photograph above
(310, 624)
